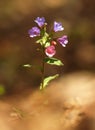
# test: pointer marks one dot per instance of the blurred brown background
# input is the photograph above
(16, 48)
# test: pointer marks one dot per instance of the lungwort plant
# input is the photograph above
(47, 46)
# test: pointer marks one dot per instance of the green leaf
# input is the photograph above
(43, 39)
(47, 44)
(27, 65)
(53, 61)
(33, 66)
(39, 41)
(47, 80)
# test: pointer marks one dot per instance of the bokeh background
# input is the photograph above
(16, 48)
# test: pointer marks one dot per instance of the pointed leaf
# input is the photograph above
(53, 61)
(39, 41)
(47, 80)
(33, 66)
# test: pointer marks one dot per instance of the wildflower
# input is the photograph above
(50, 51)
(58, 27)
(40, 21)
(34, 31)
(63, 40)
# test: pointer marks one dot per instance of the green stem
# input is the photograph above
(43, 66)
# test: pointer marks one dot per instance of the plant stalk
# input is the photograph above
(43, 66)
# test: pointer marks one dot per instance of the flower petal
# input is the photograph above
(40, 21)
(63, 40)
(34, 31)
(58, 26)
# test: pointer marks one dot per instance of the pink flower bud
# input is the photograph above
(53, 43)
(50, 51)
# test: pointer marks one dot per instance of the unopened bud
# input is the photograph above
(53, 43)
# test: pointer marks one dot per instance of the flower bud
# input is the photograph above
(50, 51)
(53, 43)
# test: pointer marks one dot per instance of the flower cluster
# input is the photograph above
(48, 44)
(46, 40)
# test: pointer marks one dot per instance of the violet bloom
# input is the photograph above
(34, 31)
(58, 26)
(40, 21)
(50, 51)
(63, 40)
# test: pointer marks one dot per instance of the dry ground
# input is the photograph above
(68, 103)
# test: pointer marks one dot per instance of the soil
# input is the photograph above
(67, 103)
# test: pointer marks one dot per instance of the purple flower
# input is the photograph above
(34, 31)
(63, 40)
(40, 21)
(50, 51)
(58, 27)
